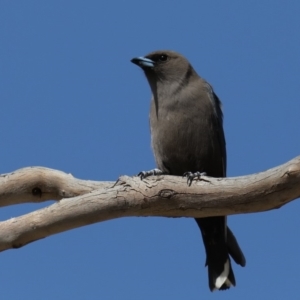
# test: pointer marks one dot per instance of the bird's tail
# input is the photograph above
(217, 280)
(220, 274)
(234, 249)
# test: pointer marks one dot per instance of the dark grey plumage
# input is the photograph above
(187, 135)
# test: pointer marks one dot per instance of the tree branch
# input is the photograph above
(169, 196)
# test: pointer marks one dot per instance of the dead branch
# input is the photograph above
(87, 202)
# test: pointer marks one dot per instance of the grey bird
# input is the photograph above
(186, 123)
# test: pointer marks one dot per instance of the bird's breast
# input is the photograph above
(179, 143)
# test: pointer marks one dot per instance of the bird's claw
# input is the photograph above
(191, 176)
(153, 172)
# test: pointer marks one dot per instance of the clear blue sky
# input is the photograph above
(71, 100)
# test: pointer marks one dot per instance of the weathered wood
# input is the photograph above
(169, 196)
(38, 184)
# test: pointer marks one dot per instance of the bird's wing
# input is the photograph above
(217, 104)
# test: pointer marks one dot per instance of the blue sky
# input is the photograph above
(71, 100)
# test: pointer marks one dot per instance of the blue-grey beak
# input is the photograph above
(143, 62)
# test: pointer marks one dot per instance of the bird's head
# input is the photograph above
(164, 66)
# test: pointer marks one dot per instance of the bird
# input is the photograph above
(187, 137)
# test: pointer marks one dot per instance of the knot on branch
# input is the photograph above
(166, 193)
(36, 191)
(293, 170)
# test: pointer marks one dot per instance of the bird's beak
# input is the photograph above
(143, 62)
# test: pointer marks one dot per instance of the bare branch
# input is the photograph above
(38, 184)
(167, 196)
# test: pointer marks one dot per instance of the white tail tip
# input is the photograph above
(224, 276)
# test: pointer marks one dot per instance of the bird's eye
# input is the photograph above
(163, 57)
